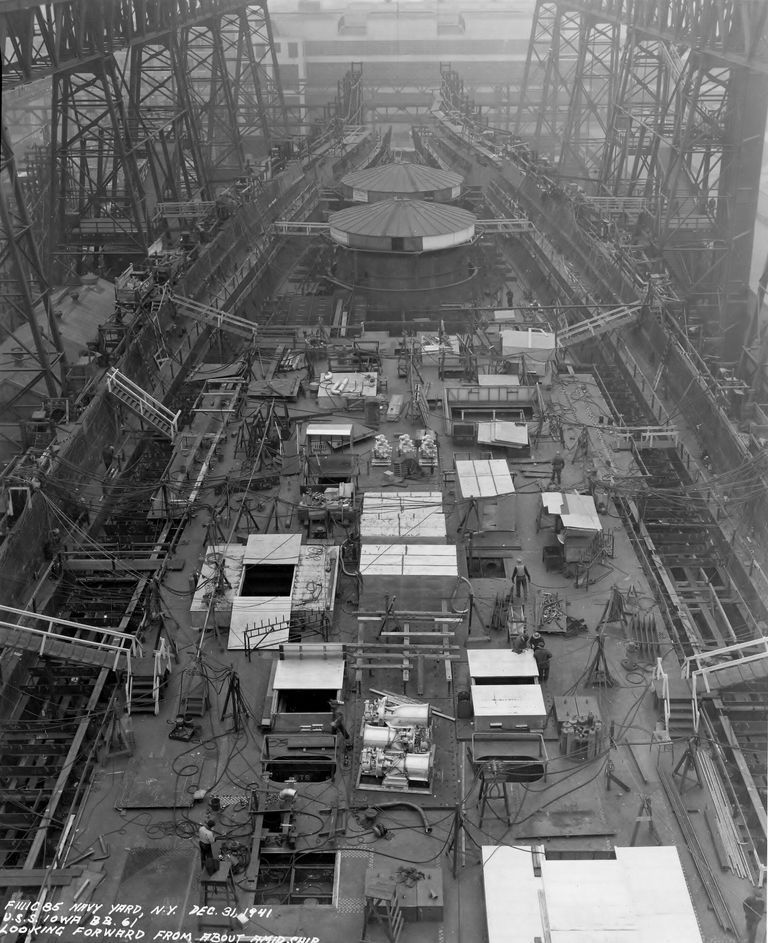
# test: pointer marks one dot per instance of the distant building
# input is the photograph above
(401, 46)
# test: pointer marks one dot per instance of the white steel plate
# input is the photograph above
(511, 895)
(500, 662)
(641, 897)
(255, 611)
(306, 674)
(329, 430)
(272, 549)
(484, 478)
(514, 434)
(508, 700)
(414, 515)
(408, 560)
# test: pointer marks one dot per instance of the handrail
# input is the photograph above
(659, 674)
(722, 663)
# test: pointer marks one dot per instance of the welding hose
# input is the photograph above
(459, 581)
(408, 805)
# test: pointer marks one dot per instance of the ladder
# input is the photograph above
(387, 911)
(143, 403)
(144, 685)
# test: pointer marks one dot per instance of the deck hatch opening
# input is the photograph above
(485, 567)
(303, 701)
(267, 579)
(284, 879)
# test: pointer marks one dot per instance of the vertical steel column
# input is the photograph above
(213, 97)
(591, 95)
(19, 251)
(160, 118)
(549, 75)
(98, 201)
(739, 187)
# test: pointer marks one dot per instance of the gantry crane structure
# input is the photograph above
(665, 101)
(149, 103)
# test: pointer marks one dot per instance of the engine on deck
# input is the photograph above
(398, 748)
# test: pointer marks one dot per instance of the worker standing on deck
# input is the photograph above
(206, 838)
(558, 464)
(543, 657)
(522, 577)
(337, 725)
(754, 911)
(108, 454)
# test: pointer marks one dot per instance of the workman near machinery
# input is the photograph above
(522, 577)
(537, 641)
(206, 838)
(337, 725)
(108, 454)
(558, 464)
(543, 656)
(754, 911)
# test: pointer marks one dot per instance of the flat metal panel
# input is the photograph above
(508, 700)
(483, 478)
(307, 674)
(496, 662)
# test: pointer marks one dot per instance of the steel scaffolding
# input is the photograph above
(666, 102)
(146, 103)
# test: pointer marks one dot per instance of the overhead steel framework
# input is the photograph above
(148, 102)
(665, 101)
(455, 99)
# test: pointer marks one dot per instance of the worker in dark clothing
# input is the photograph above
(206, 838)
(754, 911)
(543, 657)
(537, 642)
(558, 464)
(108, 454)
(337, 724)
(522, 577)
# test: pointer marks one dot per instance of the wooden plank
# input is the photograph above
(35, 877)
(430, 646)
(754, 796)
(28, 772)
(48, 816)
(427, 616)
(406, 662)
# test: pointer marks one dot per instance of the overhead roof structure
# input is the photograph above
(416, 181)
(402, 226)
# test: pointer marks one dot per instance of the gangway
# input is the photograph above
(598, 324)
(299, 227)
(216, 317)
(70, 641)
(725, 667)
(512, 224)
(143, 403)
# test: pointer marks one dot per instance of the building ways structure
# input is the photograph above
(259, 535)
